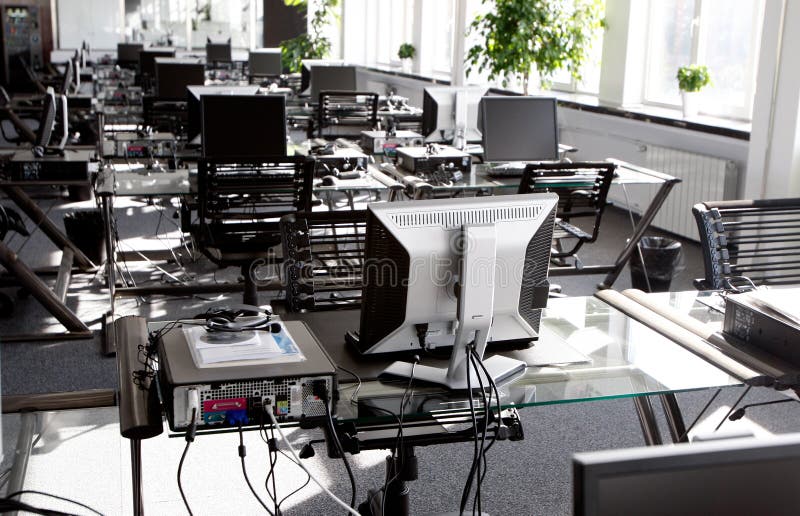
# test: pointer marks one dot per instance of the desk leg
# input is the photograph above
(647, 419)
(109, 342)
(39, 290)
(638, 233)
(677, 428)
(26, 204)
(136, 477)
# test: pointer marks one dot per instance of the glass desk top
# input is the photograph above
(623, 358)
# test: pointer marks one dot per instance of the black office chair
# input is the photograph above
(349, 111)
(240, 204)
(749, 243)
(323, 259)
(582, 190)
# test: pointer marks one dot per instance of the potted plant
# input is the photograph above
(312, 45)
(406, 54)
(520, 35)
(691, 79)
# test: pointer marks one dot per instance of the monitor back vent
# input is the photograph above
(457, 218)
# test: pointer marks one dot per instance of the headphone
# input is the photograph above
(223, 318)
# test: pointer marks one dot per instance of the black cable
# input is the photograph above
(699, 415)
(468, 484)
(499, 413)
(8, 505)
(481, 459)
(189, 439)
(399, 448)
(733, 407)
(338, 445)
(273, 461)
(308, 480)
(62, 498)
(242, 454)
(739, 414)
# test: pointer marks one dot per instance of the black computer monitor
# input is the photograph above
(449, 109)
(265, 62)
(243, 126)
(481, 262)
(728, 476)
(128, 54)
(305, 71)
(193, 95)
(67, 78)
(517, 128)
(174, 75)
(147, 59)
(332, 78)
(218, 52)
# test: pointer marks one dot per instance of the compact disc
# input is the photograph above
(226, 337)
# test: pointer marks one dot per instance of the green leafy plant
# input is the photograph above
(518, 36)
(311, 45)
(693, 77)
(406, 51)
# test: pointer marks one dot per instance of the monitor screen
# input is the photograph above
(265, 62)
(174, 75)
(446, 107)
(218, 52)
(727, 476)
(519, 129)
(193, 95)
(305, 71)
(128, 53)
(332, 78)
(243, 126)
(147, 59)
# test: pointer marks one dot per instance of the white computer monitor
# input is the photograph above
(450, 114)
(445, 272)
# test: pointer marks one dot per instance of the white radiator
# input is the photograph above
(704, 178)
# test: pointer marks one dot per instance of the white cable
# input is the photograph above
(297, 460)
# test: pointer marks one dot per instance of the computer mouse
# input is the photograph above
(328, 181)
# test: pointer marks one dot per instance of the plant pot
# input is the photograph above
(406, 64)
(691, 103)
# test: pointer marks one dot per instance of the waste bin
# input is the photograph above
(86, 230)
(662, 257)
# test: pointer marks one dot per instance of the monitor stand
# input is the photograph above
(475, 308)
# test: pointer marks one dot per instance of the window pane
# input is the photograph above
(728, 47)
(442, 12)
(393, 19)
(670, 46)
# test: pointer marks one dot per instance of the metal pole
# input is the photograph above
(136, 477)
(647, 419)
(26, 204)
(16, 479)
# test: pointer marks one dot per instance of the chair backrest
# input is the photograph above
(758, 240)
(582, 187)
(323, 257)
(240, 204)
(347, 108)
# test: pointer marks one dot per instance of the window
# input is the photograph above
(590, 70)
(438, 34)
(683, 32)
(394, 20)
